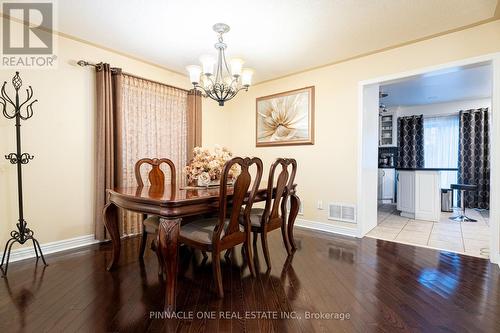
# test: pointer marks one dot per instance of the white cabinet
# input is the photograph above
(406, 193)
(387, 130)
(427, 195)
(386, 185)
(419, 194)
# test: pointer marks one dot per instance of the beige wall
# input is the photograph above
(328, 170)
(59, 181)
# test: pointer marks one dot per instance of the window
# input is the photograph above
(154, 124)
(441, 146)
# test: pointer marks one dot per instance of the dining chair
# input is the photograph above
(156, 177)
(230, 227)
(264, 220)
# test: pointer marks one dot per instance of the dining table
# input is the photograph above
(173, 203)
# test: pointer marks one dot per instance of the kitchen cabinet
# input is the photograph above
(387, 130)
(406, 193)
(386, 185)
(419, 194)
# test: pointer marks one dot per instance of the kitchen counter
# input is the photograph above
(419, 193)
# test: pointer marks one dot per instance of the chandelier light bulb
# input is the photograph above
(246, 77)
(194, 73)
(205, 82)
(207, 63)
(236, 66)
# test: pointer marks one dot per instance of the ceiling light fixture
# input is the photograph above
(217, 80)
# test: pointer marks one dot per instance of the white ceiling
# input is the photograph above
(453, 84)
(275, 37)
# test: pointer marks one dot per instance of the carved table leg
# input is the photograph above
(294, 210)
(168, 239)
(111, 223)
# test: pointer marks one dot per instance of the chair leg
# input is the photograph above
(255, 235)
(249, 257)
(265, 248)
(284, 235)
(227, 255)
(217, 273)
(204, 253)
(144, 240)
(463, 202)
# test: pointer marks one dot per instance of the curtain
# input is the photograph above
(193, 122)
(154, 124)
(474, 156)
(411, 142)
(441, 146)
(108, 109)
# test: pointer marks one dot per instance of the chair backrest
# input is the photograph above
(156, 176)
(281, 186)
(239, 197)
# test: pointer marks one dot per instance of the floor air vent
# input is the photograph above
(342, 212)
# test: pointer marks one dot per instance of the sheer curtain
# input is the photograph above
(154, 124)
(441, 146)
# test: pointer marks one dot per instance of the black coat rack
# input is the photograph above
(23, 233)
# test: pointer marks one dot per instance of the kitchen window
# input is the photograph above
(441, 146)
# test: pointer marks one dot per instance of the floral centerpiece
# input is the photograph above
(205, 169)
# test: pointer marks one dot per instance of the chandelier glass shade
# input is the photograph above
(217, 79)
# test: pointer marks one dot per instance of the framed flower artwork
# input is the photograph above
(286, 118)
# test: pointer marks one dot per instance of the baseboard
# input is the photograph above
(408, 215)
(494, 259)
(326, 227)
(52, 247)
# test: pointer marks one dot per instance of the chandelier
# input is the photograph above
(214, 78)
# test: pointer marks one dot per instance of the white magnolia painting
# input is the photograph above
(286, 118)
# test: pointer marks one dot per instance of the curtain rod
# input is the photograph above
(442, 115)
(447, 114)
(84, 63)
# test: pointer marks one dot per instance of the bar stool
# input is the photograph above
(463, 187)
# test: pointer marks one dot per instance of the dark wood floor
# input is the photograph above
(381, 286)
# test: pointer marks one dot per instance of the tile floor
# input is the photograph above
(471, 238)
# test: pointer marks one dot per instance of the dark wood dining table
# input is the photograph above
(172, 204)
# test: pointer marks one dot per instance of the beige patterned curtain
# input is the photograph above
(155, 124)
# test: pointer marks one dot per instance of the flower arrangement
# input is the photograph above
(206, 167)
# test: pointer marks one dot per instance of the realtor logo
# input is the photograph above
(27, 35)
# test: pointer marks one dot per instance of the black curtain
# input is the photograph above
(411, 142)
(474, 157)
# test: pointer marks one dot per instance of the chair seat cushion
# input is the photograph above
(465, 187)
(151, 224)
(255, 216)
(202, 230)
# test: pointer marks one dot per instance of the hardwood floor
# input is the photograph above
(382, 287)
